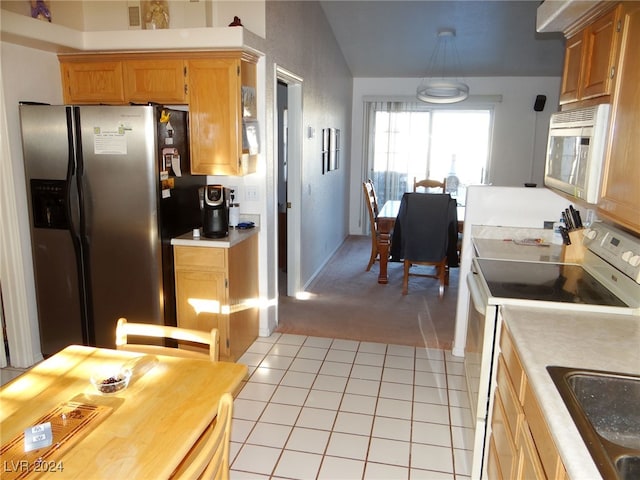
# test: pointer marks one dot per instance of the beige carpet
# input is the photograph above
(347, 302)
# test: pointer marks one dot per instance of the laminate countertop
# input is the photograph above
(235, 236)
(545, 337)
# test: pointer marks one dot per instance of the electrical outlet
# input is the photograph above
(251, 193)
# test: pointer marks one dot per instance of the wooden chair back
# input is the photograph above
(429, 184)
(209, 459)
(186, 338)
(372, 207)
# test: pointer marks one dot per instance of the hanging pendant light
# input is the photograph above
(435, 87)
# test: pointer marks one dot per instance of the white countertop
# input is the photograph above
(505, 243)
(235, 236)
(571, 339)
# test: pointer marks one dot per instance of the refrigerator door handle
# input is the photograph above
(77, 222)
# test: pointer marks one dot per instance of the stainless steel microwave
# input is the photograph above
(576, 151)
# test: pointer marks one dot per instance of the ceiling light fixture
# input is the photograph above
(435, 87)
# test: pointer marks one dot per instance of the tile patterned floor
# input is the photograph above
(338, 409)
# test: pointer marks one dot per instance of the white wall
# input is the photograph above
(519, 137)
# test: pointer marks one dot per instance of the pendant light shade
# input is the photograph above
(440, 85)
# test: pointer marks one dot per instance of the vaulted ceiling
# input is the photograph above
(396, 38)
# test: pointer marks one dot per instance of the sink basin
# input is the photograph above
(605, 407)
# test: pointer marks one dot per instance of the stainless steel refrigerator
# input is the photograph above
(108, 187)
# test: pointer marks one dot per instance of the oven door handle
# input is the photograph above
(478, 297)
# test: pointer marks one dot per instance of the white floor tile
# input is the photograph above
(330, 383)
(308, 440)
(298, 465)
(323, 399)
(257, 391)
(355, 423)
(373, 347)
(398, 375)
(338, 369)
(401, 351)
(390, 452)
(316, 418)
(344, 468)
(267, 375)
(427, 412)
(256, 459)
(306, 365)
(279, 362)
(248, 409)
(338, 355)
(431, 457)
(280, 414)
(367, 358)
(348, 445)
(298, 379)
(358, 404)
(351, 345)
(269, 435)
(315, 353)
(392, 428)
(399, 391)
(285, 349)
(435, 395)
(240, 429)
(431, 434)
(396, 361)
(328, 408)
(290, 395)
(360, 386)
(388, 407)
(377, 471)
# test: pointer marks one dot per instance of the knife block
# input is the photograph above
(574, 253)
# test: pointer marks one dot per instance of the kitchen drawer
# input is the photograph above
(203, 258)
(544, 443)
(512, 409)
(529, 466)
(503, 438)
(493, 464)
(512, 362)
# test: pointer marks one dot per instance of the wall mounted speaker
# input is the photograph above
(538, 106)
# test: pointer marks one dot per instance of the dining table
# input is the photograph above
(145, 430)
(386, 220)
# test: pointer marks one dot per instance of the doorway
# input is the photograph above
(289, 175)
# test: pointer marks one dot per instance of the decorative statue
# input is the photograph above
(236, 22)
(157, 15)
(40, 10)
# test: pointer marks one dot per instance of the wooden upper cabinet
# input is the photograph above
(620, 199)
(569, 90)
(591, 59)
(90, 81)
(157, 80)
(216, 117)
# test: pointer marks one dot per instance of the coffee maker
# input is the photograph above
(215, 211)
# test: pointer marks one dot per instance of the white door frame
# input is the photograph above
(294, 173)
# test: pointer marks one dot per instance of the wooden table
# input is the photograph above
(151, 426)
(386, 220)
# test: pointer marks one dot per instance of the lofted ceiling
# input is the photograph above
(396, 38)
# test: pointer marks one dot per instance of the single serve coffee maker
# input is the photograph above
(215, 211)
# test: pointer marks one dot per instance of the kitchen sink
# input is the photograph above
(605, 407)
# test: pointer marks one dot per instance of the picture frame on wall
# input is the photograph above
(325, 150)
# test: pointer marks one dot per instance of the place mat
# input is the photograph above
(70, 422)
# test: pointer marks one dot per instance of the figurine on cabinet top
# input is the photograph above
(40, 10)
(157, 15)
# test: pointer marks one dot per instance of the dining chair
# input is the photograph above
(209, 459)
(429, 184)
(427, 226)
(372, 207)
(185, 337)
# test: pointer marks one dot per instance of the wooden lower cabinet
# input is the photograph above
(217, 287)
(521, 446)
